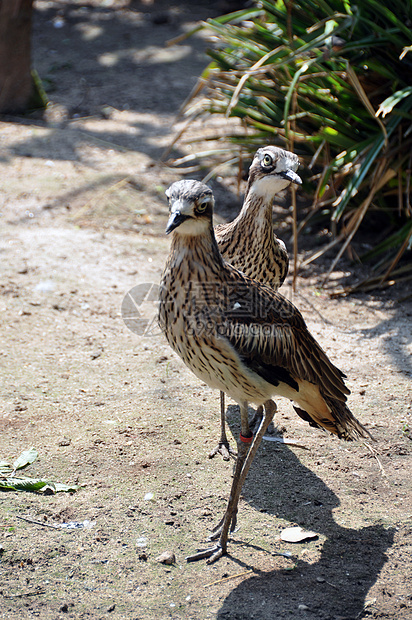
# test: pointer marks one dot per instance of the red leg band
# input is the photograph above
(245, 439)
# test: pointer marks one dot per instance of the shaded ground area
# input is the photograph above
(82, 221)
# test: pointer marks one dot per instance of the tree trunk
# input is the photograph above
(16, 83)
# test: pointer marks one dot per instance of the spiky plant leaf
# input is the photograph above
(330, 79)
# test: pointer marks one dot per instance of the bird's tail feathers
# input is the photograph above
(340, 421)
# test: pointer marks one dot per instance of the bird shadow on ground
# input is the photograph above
(333, 586)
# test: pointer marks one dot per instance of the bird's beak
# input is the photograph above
(291, 176)
(176, 218)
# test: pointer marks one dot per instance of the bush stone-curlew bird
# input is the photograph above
(241, 337)
(249, 242)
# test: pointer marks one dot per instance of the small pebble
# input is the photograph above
(64, 442)
(167, 557)
(142, 541)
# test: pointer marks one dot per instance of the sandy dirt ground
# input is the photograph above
(82, 222)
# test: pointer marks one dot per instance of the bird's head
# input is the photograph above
(272, 170)
(190, 207)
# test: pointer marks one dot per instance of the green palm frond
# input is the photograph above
(332, 80)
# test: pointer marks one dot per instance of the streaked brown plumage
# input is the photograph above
(241, 337)
(249, 242)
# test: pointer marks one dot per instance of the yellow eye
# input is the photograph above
(202, 207)
(267, 160)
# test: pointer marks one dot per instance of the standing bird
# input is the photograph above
(241, 337)
(249, 242)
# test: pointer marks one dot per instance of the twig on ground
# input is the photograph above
(306, 300)
(55, 527)
(288, 442)
(84, 208)
(367, 604)
(20, 595)
(228, 578)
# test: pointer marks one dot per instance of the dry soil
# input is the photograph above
(82, 220)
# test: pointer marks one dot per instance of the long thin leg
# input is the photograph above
(223, 446)
(244, 460)
(257, 419)
(270, 410)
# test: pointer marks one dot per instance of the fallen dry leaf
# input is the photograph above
(296, 534)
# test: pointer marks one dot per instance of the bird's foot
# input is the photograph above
(219, 549)
(217, 530)
(212, 553)
(224, 449)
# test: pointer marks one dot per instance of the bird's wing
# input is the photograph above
(271, 337)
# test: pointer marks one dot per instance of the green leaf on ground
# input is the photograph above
(26, 458)
(10, 482)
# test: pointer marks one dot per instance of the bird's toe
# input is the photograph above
(225, 450)
(211, 554)
(217, 530)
